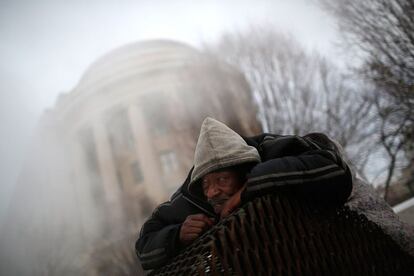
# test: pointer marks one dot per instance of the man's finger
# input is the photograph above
(194, 230)
(210, 221)
(187, 227)
(201, 217)
(191, 237)
(196, 223)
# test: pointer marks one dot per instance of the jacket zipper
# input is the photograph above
(200, 207)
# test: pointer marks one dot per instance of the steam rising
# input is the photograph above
(120, 142)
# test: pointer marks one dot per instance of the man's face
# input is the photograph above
(218, 187)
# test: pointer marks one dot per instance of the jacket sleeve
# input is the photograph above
(158, 241)
(301, 166)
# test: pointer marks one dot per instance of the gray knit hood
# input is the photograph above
(219, 147)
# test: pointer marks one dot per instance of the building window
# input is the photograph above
(87, 143)
(156, 114)
(136, 172)
(119, 130)
(169, 162)
(119, 179)
(122, 143)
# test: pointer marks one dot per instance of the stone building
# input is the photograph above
(119, 142)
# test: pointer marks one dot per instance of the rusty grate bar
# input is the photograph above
(279, 235)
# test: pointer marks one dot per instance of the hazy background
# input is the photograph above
(47, 45)
(101, 104)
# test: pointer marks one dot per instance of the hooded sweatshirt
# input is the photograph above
(219, 147)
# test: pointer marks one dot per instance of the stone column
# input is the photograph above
(147, 155)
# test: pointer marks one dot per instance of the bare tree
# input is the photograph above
(298, 92)
(390, 138)
(220, 91)
(383, 31)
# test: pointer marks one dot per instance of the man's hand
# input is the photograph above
(232, 203)
(193, 227)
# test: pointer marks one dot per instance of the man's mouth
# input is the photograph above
(217, 203)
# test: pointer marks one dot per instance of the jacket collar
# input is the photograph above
(196, 198)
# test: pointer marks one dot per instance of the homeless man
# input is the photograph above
(228, 171)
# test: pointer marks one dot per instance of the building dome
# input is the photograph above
(137, 60)
(128, 71)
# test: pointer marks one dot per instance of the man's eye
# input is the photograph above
(222, 179)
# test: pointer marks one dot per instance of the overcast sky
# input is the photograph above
(47, 45)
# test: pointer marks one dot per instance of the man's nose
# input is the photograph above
(212, 191)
